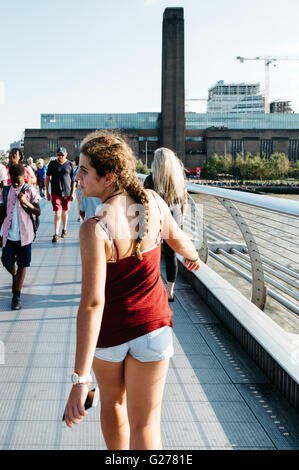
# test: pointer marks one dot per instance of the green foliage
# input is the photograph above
(142, 168)
(3, 159)
(250, 167)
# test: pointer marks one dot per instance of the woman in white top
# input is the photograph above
(167, 179)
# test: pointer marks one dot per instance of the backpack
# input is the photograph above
(34, 219)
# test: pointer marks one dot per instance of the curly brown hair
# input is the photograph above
(108, 152)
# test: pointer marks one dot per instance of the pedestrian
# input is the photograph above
(89, 206)
(167, 179)
(60, 173)
(41, 176)
(77, 186)
(3, 176)
(32, 165)
(18, 232)
(124, 320)
(16, 156)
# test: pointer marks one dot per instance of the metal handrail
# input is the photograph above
(283, 206)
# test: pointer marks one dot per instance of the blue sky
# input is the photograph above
(105, 55)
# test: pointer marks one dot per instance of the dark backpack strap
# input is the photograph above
(24, 188)
(35, 222)
(5, 191)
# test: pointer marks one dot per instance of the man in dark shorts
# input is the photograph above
(60, 174)
(18, 232)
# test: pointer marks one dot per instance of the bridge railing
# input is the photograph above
(249, 244)
(253, 236)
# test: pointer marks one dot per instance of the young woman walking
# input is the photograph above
(124, 326)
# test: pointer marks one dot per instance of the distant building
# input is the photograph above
(280, 107)
(205, 134)
(17, 144)
(235, 98)
(235, 122)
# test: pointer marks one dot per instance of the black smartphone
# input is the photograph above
(91, 399)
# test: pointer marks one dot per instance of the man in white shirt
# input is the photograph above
(3, 176)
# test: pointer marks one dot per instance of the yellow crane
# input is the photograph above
(268, 61)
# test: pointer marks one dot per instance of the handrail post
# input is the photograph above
(259, 290)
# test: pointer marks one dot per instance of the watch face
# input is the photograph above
(74, 378)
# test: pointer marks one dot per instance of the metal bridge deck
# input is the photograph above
(215, 396)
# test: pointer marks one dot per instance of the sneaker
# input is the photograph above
(13, 286)
(55, 238)
(63, 233)
(16, 302)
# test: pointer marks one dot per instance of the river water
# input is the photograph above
(276, 235)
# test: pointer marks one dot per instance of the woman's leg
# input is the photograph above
(145, 386)
(114, 418)
(171, 268)
(41, 186)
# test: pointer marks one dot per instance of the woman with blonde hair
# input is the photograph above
(124, 321)
(167, 179)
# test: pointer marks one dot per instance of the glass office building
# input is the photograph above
(242, 121)
(100, 121)
(235, 98)
(151, 121)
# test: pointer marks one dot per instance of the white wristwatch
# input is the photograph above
(80, 380)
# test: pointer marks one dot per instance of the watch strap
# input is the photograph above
(80, 380)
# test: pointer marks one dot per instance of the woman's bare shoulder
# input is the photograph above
(90, 230)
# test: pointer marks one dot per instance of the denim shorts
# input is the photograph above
(154, 346)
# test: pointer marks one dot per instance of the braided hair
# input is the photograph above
(110, 153)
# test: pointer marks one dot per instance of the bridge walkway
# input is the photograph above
(215, 396)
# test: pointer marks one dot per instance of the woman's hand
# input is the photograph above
(74, 410)
(192, 265)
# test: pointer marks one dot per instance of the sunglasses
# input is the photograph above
(60, 154)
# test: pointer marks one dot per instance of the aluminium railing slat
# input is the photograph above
(275, 244)
(266, 268)
(267, 278)
(254, 226)
(274, 228)
(290, 306)
(280, 267)
(264, 217)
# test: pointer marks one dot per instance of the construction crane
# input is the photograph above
(268, 61)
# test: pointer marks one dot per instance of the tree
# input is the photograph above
(142, 168)
(256, 167)
(279, 165)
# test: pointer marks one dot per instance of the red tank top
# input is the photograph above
(136, 300)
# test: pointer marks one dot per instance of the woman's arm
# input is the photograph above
(47, 182)
(177, 239)
(93, 259)
(89, 317)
